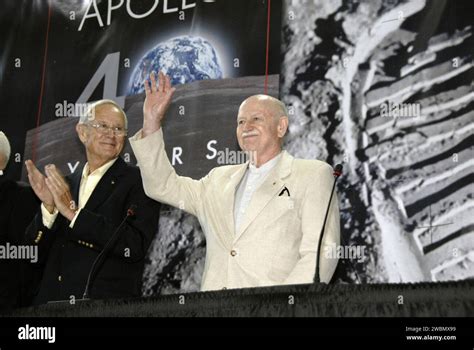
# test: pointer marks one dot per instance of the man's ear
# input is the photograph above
(81, 132)
(282, 126)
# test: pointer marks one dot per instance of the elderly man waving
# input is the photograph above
(261, 219)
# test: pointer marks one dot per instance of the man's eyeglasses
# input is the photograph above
(103, 129)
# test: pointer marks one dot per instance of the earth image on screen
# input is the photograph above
(184, 59)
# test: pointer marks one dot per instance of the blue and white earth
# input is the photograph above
(184, 59)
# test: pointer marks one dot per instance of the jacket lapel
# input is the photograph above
(270, 188)
(106, 185)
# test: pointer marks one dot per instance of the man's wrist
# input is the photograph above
(150, 129)
(72, 214)
(50, 208)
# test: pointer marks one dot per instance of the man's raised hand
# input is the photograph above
(158, 98)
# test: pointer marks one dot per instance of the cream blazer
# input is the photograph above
(277, 241)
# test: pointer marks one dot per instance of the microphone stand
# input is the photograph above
(100, 258)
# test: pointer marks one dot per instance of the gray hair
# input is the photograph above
(90, 113)
(4, 148)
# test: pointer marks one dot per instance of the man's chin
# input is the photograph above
(250, 151)
(249, 147)
(108, 154)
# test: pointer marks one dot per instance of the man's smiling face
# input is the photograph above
(102, 144)
(259, 127)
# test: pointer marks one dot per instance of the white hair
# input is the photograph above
(279, 107)
(4, 148)
(90, 113)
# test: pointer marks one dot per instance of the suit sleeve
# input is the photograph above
(133, 240)
(160, 180)
(24, 210)
(313, 211)
(40, 235)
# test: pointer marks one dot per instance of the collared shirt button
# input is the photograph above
(233, 252)
(60, 278)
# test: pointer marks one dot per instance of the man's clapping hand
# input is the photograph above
(52, 189)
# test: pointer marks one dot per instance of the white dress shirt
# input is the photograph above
(88, 184)
(251, 181)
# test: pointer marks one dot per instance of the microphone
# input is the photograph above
(337, 171)
(103, 254)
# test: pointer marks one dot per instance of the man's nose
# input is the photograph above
(248, 126)
(109, 133)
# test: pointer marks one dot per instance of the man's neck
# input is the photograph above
(95, 164)
(261, 160)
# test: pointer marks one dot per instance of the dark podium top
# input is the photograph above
(441, 299)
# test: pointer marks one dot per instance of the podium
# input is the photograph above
(440, 299)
